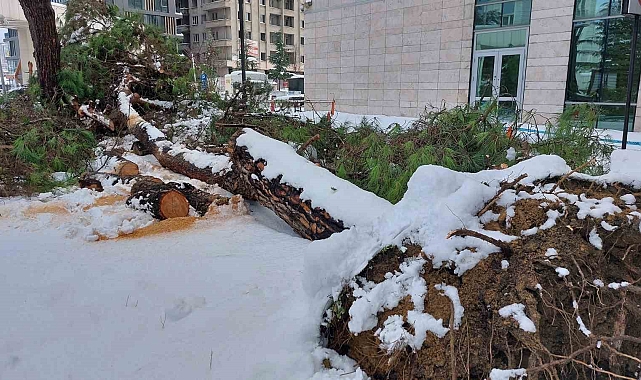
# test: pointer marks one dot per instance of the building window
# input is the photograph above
(194, 3)
(289, 4)
(274, 19)
(194, 20)
(161, 6)
(599, 61)
(273, 37)
(263, 18)
(289, 21)
(248, 35)
(302, 59)
(205, 36)
(249, 17)
(196, 37)
(154, 20)
(502, 14)
(262, 2)
(263, 36)
(302, 40)
(289, 39)
(135, 4)
(275, 3)
(263, 56)
(302, 24)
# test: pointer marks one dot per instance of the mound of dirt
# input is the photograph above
(573, 272)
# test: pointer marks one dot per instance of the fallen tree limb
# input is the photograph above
(465, 232)
(238, 172)
(504, 187)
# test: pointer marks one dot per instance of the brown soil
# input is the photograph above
(486, 340)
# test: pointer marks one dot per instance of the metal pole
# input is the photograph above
(628, 101)
(243, 56)
(4, 87)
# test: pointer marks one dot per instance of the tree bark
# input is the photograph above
(42, 25)
(161, 200)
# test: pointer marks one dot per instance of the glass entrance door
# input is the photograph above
(499, 74)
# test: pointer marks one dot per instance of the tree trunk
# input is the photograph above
(245, 177)
(42, 25)
(161, 200)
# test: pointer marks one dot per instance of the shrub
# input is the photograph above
(48, 150)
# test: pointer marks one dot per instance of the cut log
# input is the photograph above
(126, 168)
(162, 201)
(91, 184)
(198, 199)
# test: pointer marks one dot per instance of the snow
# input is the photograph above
(607, 226)
(562, 272)
(618, 285)
(507, 374)
(551, 253)
(217, 163)
(225, 290)
(598, 283)
(595, 239)
(452, 293)
(511, 154)
(386, 295)
(517, 311)
(340, 198)
(505, 264)
(582, 327)
(629, 199)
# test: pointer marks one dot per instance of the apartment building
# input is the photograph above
(162, 13)
(396, 57)
(215, 23)
(19, 46)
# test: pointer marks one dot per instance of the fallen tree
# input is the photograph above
(240, 173)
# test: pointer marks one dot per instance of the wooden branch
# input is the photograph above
(570, 173)
(302, 148)
(465, 232)
(504, 187)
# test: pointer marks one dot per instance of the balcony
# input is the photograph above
(218, 23)
(207, 5)
(221, 43)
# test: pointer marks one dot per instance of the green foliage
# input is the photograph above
(280, 60)
(575, 138)
(465, 138)
(48, 150)
(96, 38)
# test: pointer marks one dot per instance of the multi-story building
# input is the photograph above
(215, 23)
(396, 57)
(162, 13)
(18, 38)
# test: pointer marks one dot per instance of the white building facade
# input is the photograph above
(395, 57)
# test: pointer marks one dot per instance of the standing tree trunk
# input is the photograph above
(42, 25)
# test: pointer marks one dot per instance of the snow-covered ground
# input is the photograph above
(90, 290)
(159, 307)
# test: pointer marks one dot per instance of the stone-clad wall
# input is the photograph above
(390, 57)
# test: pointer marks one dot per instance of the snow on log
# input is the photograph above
(203, 166)
(86, 111)
(340, 198)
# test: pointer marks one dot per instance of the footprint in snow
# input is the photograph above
(183, 307)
